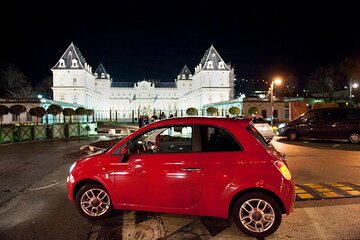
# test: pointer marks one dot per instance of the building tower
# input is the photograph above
(184, 81)
(73, 80)
(213, 81)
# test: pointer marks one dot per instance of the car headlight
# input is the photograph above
(282, 125)
(72, 167)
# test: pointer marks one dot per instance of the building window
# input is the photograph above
(221, 65)
(209, 65)
(75, 99)
(74, 81)
(62, 63)
(286, 113)
(276, 113)
(263, 113)
(74, 63)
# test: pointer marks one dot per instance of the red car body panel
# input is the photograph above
(162, 182)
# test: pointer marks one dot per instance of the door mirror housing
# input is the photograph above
(124, 154)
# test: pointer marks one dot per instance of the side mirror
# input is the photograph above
(124, 154)
(303, 119)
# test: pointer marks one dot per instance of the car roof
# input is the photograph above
(201, 120)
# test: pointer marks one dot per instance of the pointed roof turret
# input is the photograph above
(212, 61)
(185, 74)
(72, 59)
(101, 71)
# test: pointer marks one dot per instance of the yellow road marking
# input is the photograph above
(355, 192)
(322, 190)
(305, 195)
(346, 188)
(331, 194)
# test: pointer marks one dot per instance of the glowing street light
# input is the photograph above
(352, 85)
(276, 81)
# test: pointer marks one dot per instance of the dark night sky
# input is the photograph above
(155, 39)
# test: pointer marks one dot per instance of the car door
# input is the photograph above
(219, 149)
(334, 124)
(170, 177)
(310, 125)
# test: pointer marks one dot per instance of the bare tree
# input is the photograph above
(14, 84)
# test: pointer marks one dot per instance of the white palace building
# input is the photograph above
(75, 82)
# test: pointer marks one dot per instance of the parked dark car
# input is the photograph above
(324, 123)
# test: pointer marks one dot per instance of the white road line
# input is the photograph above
(39, 188)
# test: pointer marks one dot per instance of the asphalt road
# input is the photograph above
(33, 176)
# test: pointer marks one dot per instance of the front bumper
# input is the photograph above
(70, 187)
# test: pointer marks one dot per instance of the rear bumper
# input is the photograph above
(289, 196)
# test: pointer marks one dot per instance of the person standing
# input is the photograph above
(162, 116)
(141, 121)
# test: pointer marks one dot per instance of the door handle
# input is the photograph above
(191, 169)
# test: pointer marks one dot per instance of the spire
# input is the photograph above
(184, 74)
(101, 72)
(212, 61)
(72, 59)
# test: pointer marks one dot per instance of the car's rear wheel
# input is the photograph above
(257, 214)
(93, 202)
(292, 135)
(354, 137)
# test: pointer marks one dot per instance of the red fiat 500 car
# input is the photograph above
(195, 165)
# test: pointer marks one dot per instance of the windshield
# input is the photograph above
(257, 135)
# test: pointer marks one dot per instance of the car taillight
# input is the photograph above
(283, 169)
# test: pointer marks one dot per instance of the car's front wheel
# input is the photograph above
(93, 202)
(257, 214)
(354, 137)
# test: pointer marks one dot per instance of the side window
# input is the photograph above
(333, 115)
(215, 139)
(176, 139)
(353, 114)
(312, 117)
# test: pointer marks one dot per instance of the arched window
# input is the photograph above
(62, 63)
(221, 65)
(74, 63)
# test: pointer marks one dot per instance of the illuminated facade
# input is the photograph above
(75, 82)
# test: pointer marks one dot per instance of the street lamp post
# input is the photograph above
(275, 81)
(352, 85)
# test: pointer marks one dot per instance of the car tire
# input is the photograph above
(257, 214)
(292, 135)
(93, 202)
(354, 137)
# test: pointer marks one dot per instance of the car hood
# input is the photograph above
(91, 159)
